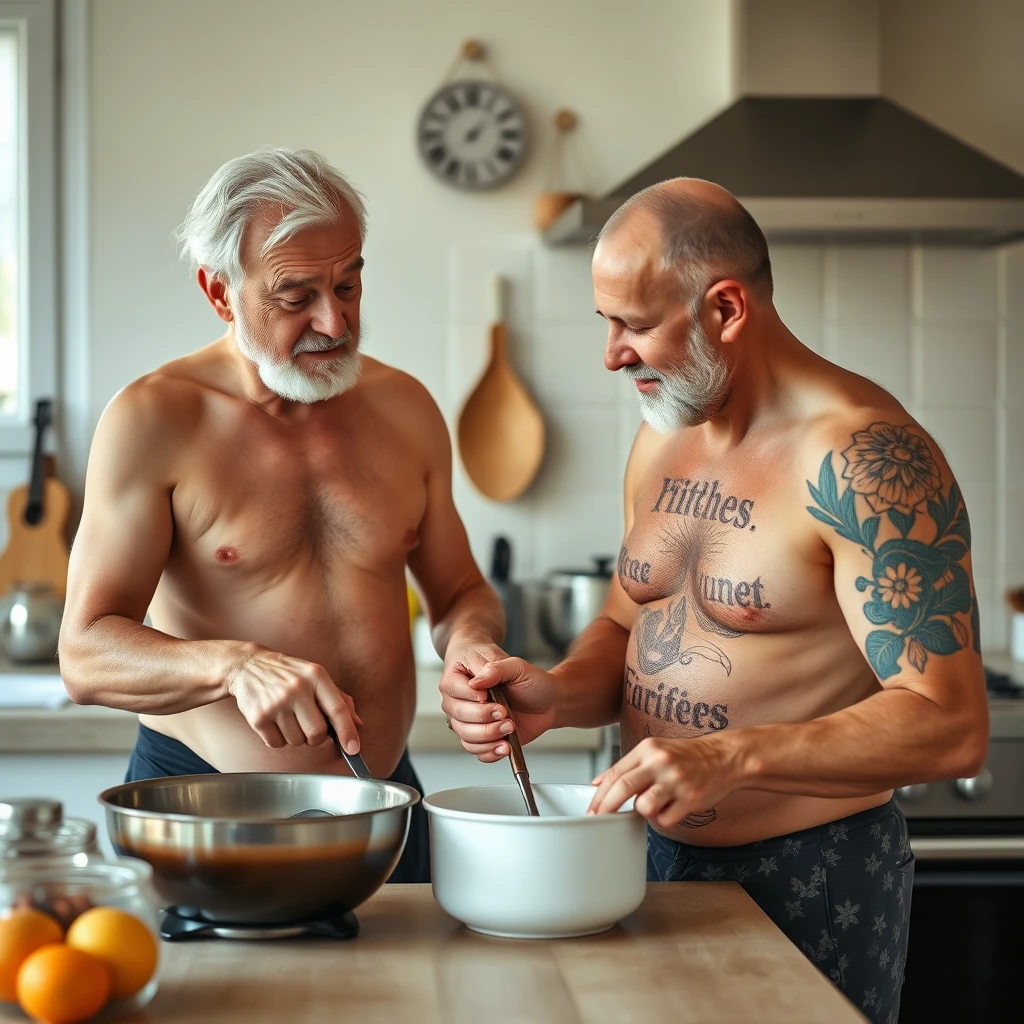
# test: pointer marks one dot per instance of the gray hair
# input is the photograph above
(302, 182)
(703, 241)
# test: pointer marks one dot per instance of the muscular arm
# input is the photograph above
(107, 656)
(897, 528)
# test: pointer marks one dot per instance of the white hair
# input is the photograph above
(301, 182)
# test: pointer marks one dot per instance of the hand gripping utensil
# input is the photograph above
(497, 694)
(355, 761)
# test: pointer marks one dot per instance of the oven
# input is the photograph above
(966, 946)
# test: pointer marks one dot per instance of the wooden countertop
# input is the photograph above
(72, 729)
(695, 951)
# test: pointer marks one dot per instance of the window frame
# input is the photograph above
(35, 25)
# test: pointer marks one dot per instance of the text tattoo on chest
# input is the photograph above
(701, 499)
(670, 704)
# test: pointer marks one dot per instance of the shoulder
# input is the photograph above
(404, 400)
(143, 424)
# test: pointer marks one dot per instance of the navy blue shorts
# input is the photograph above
(156, 756)
(840, 893)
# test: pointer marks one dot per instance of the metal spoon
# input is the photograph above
(497, 694)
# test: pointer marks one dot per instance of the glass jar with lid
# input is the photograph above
(97, 928)
(36, 827)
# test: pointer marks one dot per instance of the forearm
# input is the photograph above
(475, 615)
(590, 676)
(120, 663)
(891, 739)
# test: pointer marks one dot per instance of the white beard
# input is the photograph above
(284, 376)
(685, 398)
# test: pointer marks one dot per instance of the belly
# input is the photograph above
(687, 684)
(357, 628)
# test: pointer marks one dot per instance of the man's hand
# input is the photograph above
(285, 701)
(670, 779)
(469, 672)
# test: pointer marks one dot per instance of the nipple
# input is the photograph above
(226, 554)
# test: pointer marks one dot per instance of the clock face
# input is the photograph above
(472, 135)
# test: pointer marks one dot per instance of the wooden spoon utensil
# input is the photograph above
(500, 429)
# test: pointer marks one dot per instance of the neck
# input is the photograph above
(252, 388)
(758, 369)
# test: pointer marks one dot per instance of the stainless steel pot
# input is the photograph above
(227, 845)
(30, 615)
(570, 599)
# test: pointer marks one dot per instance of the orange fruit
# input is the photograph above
(122, 942)
(22, 932)
(60, 985)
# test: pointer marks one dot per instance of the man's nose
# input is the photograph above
(329, 317)
(617, 354)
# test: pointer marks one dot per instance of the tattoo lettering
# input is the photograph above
(722, 591)
(632, 569)
(659, 641)
(699, 819)
(672, 706)
(701, 499)
(918, 589)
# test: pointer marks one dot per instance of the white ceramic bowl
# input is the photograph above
(504, 873)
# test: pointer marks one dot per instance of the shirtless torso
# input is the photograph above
(738, 622)
(291, 532)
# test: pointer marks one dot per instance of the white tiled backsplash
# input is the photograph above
(942, 329)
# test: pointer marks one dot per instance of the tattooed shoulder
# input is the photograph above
(913, 527)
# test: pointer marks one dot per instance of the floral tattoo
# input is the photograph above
(917, 589)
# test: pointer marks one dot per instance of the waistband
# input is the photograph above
(173, 757)
(851, 823)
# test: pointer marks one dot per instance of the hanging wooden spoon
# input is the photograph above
(500, 430)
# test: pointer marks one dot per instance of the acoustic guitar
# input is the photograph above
(37, 516)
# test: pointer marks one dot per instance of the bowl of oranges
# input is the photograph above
(78, 942)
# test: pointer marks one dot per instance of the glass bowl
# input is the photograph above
(67, 891)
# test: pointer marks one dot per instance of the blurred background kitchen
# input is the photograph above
(114, 112)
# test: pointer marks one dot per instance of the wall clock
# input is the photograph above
(472, 135)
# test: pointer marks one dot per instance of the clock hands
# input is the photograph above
(474, 133)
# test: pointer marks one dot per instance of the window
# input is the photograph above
(9, 234)
(28, 205)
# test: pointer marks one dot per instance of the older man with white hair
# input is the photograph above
(261, 498)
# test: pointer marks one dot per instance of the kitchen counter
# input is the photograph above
(88, 730)
(695, 951)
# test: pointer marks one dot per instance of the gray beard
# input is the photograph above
(286, 379)
(688, 396)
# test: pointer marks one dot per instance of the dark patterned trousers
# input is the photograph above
(839, 892)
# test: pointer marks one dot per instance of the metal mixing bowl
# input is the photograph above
(227, 845)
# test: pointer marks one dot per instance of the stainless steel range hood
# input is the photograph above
(814, 169)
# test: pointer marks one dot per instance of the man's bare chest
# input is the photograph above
(268, 507)
(735, 544)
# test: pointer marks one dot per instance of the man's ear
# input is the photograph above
(729, 304)
(215, 288)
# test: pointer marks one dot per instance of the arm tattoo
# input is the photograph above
(917, 589)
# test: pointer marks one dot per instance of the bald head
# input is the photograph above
(705, 234)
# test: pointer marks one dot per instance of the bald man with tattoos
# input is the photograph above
(793, 632)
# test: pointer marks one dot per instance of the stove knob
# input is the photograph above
(976, 788)
(911, 794)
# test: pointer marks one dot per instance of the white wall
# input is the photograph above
(959, 65)
(809, 48)
(943, 330)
